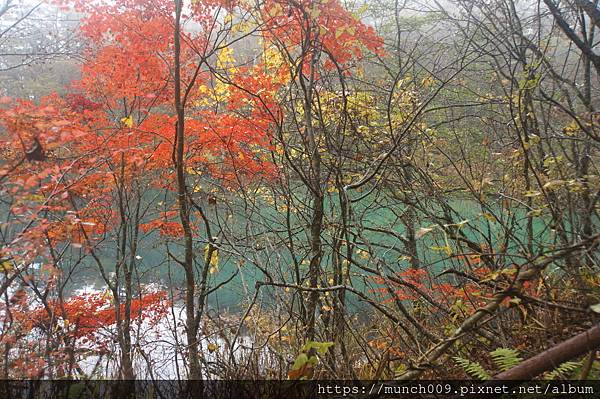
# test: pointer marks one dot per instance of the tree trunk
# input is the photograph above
(184, 209)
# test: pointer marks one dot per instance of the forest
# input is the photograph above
(299, 190)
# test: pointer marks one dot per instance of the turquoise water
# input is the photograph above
(374, 211)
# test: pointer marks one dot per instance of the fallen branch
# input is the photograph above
(588, 341)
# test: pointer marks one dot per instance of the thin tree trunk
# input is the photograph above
(184, 210)
(316, 224)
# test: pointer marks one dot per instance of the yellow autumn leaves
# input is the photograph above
(5, 265)
(127, 121)
(220, 91)
(211, 257)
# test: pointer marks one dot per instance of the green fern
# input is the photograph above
(505, 358)
(562, 371)
(474, 369)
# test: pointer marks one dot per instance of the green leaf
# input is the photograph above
(474, 369)
(562, 371)
(320, 347)
(506, 358)
(300, 361)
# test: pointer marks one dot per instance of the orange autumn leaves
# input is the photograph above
(115, 128)
(69, 161)
(85, 318)
(418, 284)
(65, 157)
(85, 314)
(341, 36)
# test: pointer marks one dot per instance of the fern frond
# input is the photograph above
(505, 358)
(474, 369)
(562, 371)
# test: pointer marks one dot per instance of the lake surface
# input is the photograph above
(155, 267)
